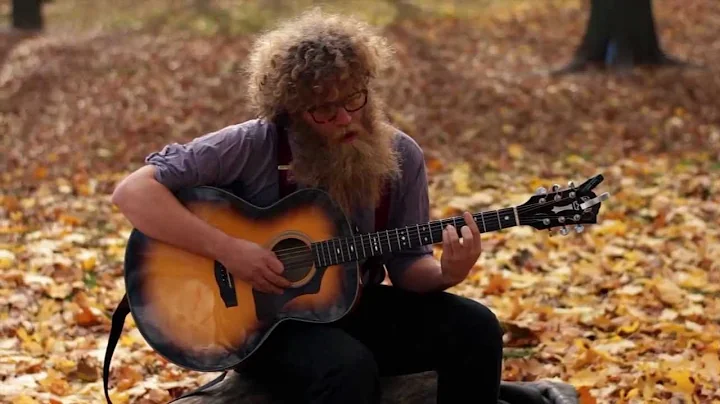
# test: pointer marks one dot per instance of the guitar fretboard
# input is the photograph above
(340, 250)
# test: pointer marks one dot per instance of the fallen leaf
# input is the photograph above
(585, 396)
(497, 284)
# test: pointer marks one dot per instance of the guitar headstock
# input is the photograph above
(572, 206)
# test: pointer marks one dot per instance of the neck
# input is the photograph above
(341, 250)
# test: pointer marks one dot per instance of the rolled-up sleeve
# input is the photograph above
(411, 207)
(213, 159)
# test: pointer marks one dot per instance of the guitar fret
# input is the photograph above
(353, 248)
(375, 245)
(326, 248)
(317, 252)
(339, 249)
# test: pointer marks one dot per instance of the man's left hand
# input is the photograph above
(459, 256)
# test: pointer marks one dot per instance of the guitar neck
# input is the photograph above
(340, 250)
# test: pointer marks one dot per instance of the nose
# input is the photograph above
(343, 117)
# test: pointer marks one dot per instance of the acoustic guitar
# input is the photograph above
(194, 313)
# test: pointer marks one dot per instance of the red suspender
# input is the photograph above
(284, 156)
(383, 210)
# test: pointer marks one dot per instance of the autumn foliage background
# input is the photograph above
(627, 311)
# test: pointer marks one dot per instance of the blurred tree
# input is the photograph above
(620, 33)
(27, 14)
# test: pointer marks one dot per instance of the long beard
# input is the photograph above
(353, 173)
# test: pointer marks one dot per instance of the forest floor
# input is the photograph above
(627, 311)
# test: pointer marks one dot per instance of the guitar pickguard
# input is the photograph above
(268, 305)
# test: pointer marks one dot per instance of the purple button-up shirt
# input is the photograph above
(245, 153)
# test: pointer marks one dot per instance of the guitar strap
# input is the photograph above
(284, 157)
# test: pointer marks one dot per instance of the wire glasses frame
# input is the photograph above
(328, 112)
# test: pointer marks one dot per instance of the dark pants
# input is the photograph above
(391, 332)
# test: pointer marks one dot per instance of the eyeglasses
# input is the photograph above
(328, 112)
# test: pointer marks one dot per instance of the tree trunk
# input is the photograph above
(27, 15)
(620, 33)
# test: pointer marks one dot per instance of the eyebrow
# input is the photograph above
(340, 100)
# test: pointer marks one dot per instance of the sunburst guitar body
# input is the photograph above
(193, 312)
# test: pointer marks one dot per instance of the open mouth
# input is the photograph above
(349, 136)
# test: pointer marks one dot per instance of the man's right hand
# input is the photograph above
(254, 264)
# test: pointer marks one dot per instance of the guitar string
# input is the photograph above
(288, 253)
(492, 219)
(303, 260)
(291, 255)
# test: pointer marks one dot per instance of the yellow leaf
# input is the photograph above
(669, 292)
(461, 178)
(120, 397)
(47, 309)
(629, 328)
(587, 377)
(7, 259)
(684, 381)
(711, 364)
(128, 340)
(574, 159)
(23, 399)
(610, 227)
(89, 263)
(65, 365)
(631, 394)
(55, 383)
(516, 151)
(59, 291)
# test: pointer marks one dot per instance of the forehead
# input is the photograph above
(332, 91)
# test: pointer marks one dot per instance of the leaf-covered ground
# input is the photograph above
(627, 311)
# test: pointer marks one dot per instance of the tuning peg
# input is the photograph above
(555, 187)
(579, 228)
(571, 185)
(564, 231)
(541, 191)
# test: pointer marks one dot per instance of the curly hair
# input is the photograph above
(310, 59)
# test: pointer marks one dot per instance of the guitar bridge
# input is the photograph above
(226, 284)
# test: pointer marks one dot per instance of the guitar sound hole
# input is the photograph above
(296, 256)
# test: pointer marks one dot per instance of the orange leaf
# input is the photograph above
(127, 377)
(56, 384)
(40, 173)
(497, 285)
(585, 396)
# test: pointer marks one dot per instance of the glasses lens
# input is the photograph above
(324, 113)
(356, 101)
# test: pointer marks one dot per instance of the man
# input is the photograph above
(316, 78)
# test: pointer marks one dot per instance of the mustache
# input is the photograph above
(354, 128)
